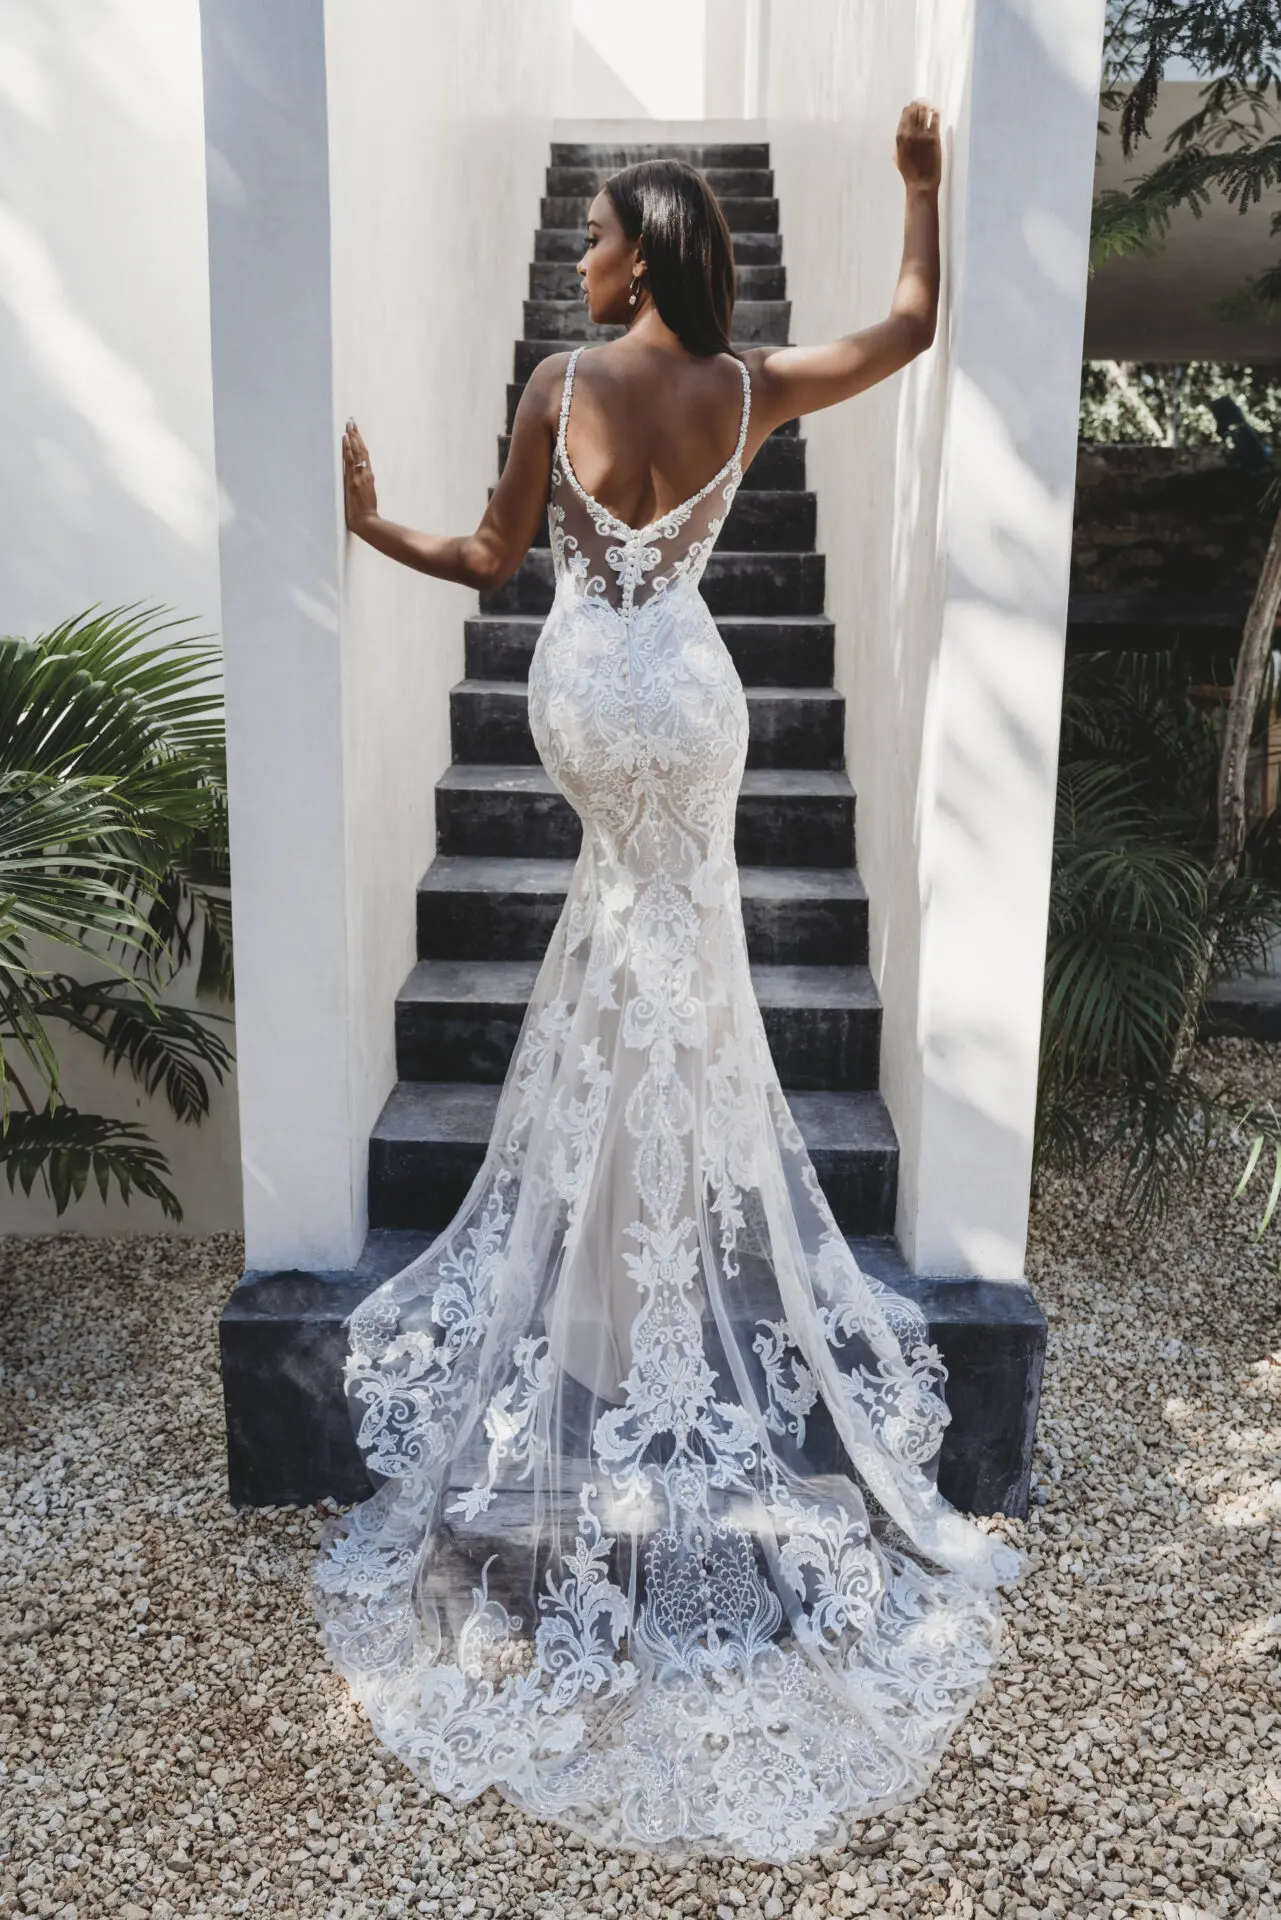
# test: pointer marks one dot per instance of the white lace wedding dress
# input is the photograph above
(599, 1571)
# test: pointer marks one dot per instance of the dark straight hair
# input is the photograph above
(689, 257)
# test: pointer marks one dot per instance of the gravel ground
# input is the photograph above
(172, 1741)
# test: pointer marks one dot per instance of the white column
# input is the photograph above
(945, 504)
(266, 127)
(985, 803)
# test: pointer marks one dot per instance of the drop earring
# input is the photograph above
(635, 284)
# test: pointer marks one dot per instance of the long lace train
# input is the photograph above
(608, 1567)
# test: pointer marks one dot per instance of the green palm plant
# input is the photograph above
(113, 839)
(1133, 892)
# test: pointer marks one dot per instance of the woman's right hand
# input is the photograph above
(360, 496)
(918, 150)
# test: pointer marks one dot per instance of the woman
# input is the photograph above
(609, 1568)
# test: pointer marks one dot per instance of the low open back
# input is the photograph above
(596, 553)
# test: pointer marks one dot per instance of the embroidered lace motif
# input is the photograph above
(587, 538)
(657, 1547)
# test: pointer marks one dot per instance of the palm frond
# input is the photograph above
(65, 1148)
(161, 1044)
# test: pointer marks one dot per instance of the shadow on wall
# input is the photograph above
(599, 90)
(106, 474)
(639, 63)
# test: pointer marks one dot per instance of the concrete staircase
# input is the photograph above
(487, 904)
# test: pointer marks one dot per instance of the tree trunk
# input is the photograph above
(1247, 683)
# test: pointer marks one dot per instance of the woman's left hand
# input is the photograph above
(360, 496)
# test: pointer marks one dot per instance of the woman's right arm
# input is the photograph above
(489, 556)
(787, 381)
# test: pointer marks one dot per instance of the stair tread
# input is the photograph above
(479, 777)
(504, 982)
(462, 1112)
(484, 873)
(519, 689)
(743, 305)
(605, 153)
(771, 622)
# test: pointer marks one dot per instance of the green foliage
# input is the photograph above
(113, 835)
(1130, 906)
(66, 1146)
(1228, 147)
(1138, 402)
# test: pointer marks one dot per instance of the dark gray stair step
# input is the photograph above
(531, 353)
(787, 726)
(430, 1139)
(740, 183)
(515, 388)
(769, 650)
(700, 154)
(460, 1020)
(471, 906)
(761, 520)
(559, 280)
(778, 467)
(755, 215)
(784, 818)
(732, 583)
(756, 322)
(566, 243)
(283, 1342)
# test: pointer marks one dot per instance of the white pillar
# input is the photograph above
(266, 128)
(991, 724)
(945, 509)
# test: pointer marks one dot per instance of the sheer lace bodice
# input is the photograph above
(657, 1546)
(598, 554)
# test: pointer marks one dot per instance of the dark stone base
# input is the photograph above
(290, 1440)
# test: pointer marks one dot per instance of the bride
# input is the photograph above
(605, 1569)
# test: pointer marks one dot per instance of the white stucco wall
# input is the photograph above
(107, 491)
(945, 499)
(373, 188)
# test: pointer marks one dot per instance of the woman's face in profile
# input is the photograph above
(608, 265)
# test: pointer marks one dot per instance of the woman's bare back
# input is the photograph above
(649, 428)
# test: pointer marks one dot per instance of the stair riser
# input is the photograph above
(741, 216)
(737, 183)
(534, 349)
(814, 1048)
(759, 322)
(566, 243)
(491, 728)
(289, 1430)
(772, 830)
(552, 280)
(779, 466)
(733, 583)
(470, 925)
(759, 522)
(701, 154)
(516, 387)
(421, 1183)
(782, 656)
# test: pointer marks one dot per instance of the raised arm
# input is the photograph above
(787, 381)
(489, 556)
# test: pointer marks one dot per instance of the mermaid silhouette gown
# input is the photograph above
(599, 1571)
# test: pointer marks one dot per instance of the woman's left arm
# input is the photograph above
(787, 381)
(489, 556)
